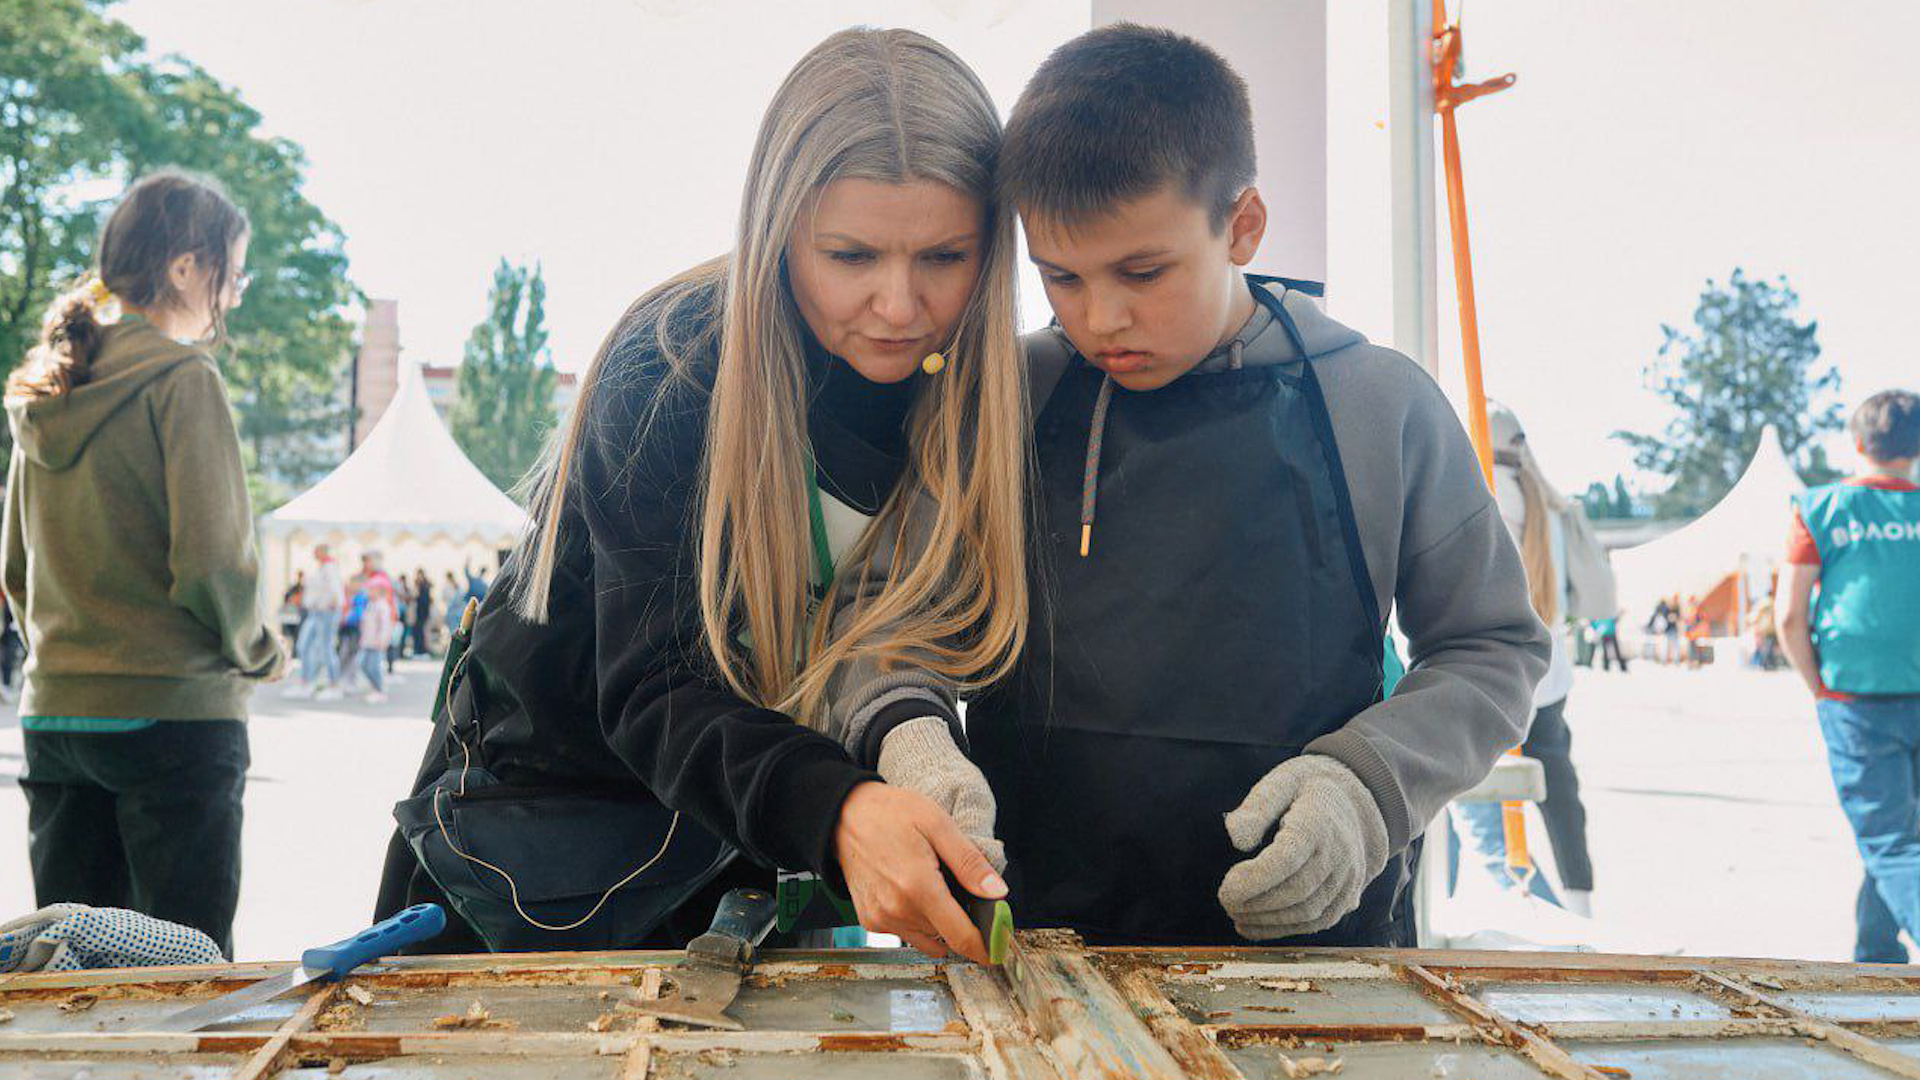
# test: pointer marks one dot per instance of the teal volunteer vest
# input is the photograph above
(1866, 622)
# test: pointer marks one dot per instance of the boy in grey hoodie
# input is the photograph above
(1234, 492)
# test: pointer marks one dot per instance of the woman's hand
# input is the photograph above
(890, 843)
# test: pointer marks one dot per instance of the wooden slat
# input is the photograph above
(1497, 961)
(1851, 1042)
(1006, 1041)
(266, 1060)
(640, 1058)
(1089, 1029)
(470, 1043)
(1189, 1045)
(1549, 1057)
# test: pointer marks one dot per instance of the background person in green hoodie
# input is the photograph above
(129, 559)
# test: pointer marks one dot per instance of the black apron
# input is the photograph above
(1223, 620)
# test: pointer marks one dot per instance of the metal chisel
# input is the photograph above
(415, 924)
(709, 979)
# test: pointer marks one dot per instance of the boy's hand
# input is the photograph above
(1331, 842)
(920, 755)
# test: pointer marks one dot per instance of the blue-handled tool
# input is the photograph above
(417, 923)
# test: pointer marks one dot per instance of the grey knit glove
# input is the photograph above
(920, 755)
(1331, 842)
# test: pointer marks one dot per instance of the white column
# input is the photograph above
(1415, 266)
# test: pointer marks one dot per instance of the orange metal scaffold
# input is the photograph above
(1448, 96)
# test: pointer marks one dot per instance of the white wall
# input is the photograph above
(1280, 48)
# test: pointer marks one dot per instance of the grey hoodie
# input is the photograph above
(1436, 550)
(128, 548)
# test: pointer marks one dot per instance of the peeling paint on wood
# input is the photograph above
(1058, 1011)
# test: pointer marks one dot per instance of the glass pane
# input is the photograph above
(1724, 1059)
(60, 1066)
(1390, 1061)
(896, 1006)
(87, 1011)
(476, 1008)
(1836, 1006)
(1540, 1003)
(1324, 1001)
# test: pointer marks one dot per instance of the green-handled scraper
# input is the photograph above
(993, 918)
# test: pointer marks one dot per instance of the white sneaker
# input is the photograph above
(326, 693)
(375, 697)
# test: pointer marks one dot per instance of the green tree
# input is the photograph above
(83, 111)
(1597, 501)
(1747, 363)
(1608, 502)
(1623, 504)
(64, 100)
(503, 407)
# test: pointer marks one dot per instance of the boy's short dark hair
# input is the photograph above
(1888, 425)
(1120, 111)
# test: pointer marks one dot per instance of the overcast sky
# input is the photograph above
(1648, 146)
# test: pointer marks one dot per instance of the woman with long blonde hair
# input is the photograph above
(717, 611)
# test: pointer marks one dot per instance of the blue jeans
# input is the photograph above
(316, 646)
(1873, 749)
(373, 665)
(1877, 941)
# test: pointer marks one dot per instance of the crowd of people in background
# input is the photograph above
(346, 633)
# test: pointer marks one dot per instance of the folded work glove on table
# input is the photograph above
(72, 937)
(920, 755)
(1330, 843)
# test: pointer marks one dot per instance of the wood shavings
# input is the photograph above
(80, 1002)
(5, 1015)
(343, 1016)
(1613, 1070)
(1298, 986)
(1301, 1068)
(1270, 1008)
(336, 1066)
(360, 995)
(476, 1016)
(1767, 981)
(601, 1023)
(719, 1059)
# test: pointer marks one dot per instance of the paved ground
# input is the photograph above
(1713, 824)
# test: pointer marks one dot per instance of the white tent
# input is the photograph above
(407, 491)
(1745, 531)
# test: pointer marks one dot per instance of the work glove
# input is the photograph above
(1330, 843)
(73, 937)
(920, 755)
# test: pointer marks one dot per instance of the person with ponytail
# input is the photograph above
(719, 608)
(1533, 511)
(129, 560)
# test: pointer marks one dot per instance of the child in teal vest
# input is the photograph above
(1856, 642)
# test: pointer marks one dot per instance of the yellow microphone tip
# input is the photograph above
(933, 364)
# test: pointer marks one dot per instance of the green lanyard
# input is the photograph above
(822, 551)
